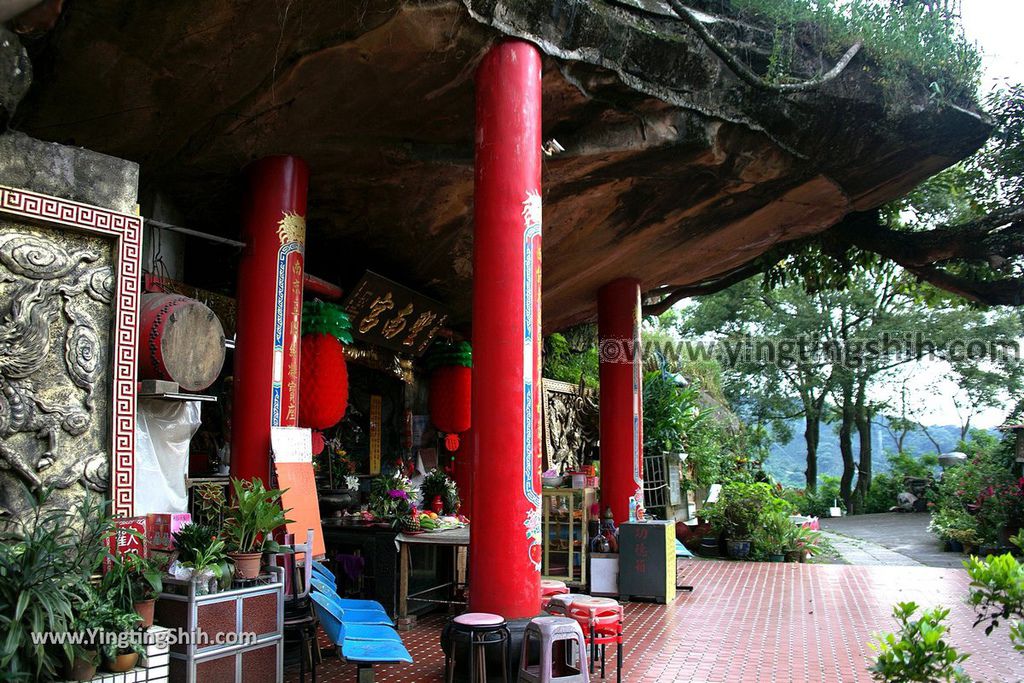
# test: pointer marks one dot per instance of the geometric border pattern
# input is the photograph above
(126, 229)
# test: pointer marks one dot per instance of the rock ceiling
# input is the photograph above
(673, 171)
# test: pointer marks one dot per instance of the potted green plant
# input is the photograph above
(200, 550)
(132, 583)
(81, 664)
(250, 522)
(439, 493)
(775, 532)
(47, 555)
(121, 644)
(737, 512)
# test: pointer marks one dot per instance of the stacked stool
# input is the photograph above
(559, 661)
(550, 587)
(479, 631)
(558, 605)
(601, 622)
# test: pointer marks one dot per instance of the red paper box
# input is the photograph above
(124, 541)
(161, 527)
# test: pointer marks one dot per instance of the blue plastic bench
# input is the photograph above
(346, 603)
(364, 653)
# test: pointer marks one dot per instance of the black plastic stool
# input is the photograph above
(478, 630)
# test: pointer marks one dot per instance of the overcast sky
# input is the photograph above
(996, 25)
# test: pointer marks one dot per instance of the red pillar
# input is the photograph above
(266, 382)
(621, 375)
(505, 552)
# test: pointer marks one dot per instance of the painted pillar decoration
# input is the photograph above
(270, 275)
(451, 374)
(505, 547)
(621, 360)
(323, 378)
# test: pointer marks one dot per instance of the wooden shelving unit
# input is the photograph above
(565, 520)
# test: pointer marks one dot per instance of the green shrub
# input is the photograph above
(815, 504)
(917, 653)
(741, 506)
(997, 594)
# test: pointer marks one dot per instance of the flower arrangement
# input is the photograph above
(438, 486)
(391, 496)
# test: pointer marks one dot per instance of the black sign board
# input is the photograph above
(647, 560)
(386, 314)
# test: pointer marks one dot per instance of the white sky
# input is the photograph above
(996, 26)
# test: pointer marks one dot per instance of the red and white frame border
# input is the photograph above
(126, 230)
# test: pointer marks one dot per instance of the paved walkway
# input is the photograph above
(762, 622)
(888, 538)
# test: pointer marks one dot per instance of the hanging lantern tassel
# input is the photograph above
(451, 382)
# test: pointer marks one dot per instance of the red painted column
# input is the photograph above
(266, 382)
(504, 550)
(621, 375)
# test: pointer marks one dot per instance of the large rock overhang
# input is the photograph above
(673, 171)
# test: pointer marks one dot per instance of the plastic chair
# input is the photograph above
(353, 616)
(479, 630)
(345, 603)
(361, 652)
(554, 633)
(321, 568)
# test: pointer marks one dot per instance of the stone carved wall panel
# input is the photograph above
(571, 421)
(68, 323)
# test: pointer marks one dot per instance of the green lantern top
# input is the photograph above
(320, 317)
(445, 353)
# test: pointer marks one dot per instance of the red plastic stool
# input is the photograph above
(549, 587)
(601, 621)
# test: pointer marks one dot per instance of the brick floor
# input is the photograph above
(794, 623)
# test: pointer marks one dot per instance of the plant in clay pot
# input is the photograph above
(132, 583)
(88, 620)
(121, 644)
(251, 520)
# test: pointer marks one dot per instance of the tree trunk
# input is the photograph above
(812, 435)
(863, 420)
(846, 444)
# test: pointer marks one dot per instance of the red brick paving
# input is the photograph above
(753, 622)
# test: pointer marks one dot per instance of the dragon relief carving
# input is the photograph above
(571, 421)
(54, 327)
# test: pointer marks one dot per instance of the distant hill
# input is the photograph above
(787, 462)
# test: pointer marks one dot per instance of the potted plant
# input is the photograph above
(251, 520)
(775, 532)
(439, 493)
(84, 658)
(121, 645)
(47, 555)
(200, 550)
(737, 512)
(807, 543)
(132, 583)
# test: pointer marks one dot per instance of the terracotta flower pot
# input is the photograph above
(124, 661)
(247, 565)
(82, 668)
(144, 608)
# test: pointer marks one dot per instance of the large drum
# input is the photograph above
(180, 340)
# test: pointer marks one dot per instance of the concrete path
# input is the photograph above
(888, 538)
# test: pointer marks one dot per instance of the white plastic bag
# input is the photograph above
(163, 430)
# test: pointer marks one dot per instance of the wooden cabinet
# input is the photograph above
(565, 520)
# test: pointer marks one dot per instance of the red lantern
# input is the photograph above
(323, 381)
(450, 388)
